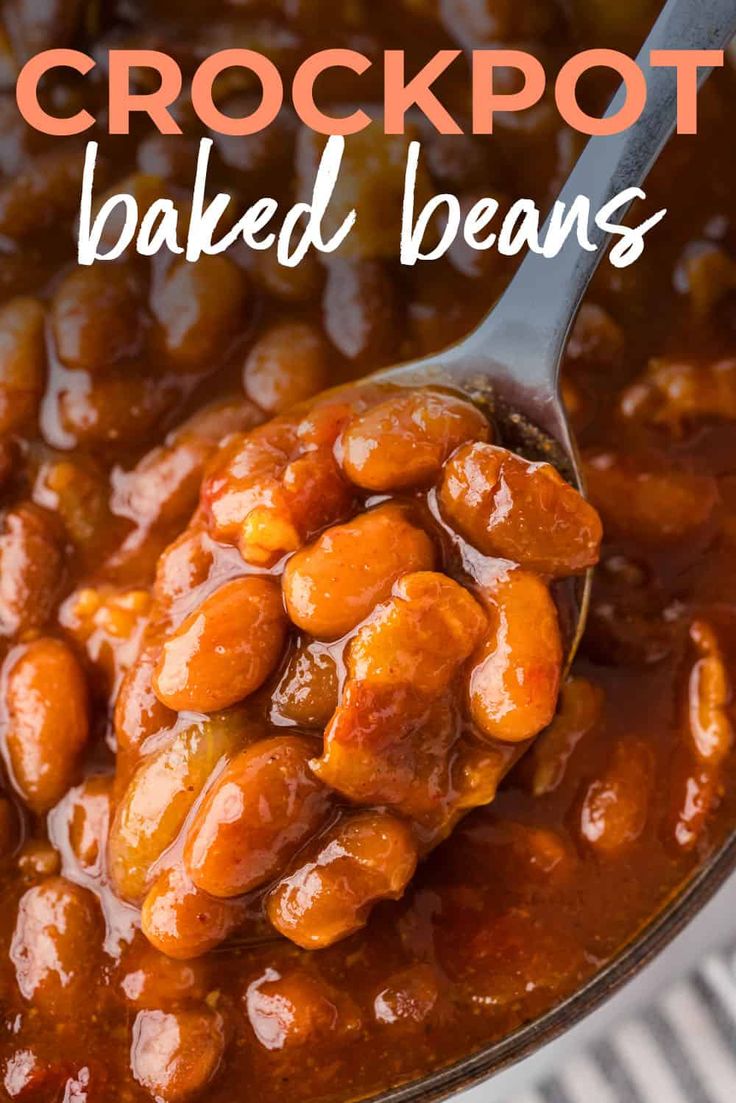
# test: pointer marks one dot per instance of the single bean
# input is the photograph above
(225, 649)
(367, 857)
(404, 441)
(332, 585)
(22, 362)
(56, 946)
(287, 364)
(155, 805)
(420, 637)
(526, 512)
(174, 1055)
(184, 923)
(515, 675)
(264, 806)
(47, 719)
(296, 1007)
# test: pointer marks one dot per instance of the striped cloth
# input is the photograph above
(680, 1049)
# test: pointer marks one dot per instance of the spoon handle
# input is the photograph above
(529, 325)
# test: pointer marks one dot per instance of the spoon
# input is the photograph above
(511, 361)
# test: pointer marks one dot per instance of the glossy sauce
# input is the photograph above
(593, 831)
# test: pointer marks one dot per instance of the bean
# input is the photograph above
(174, 1055)
(647, 503)
(596, 339)
(675, 393)
(296, 1007)
(138, 712)
(108, 624)
(368, 857)
(581, 703)
(526, 512)
(183, 565)
(56, 946)
(324, 419)
(409, 997)
(101, 411)
(706, 273)
(145, 189)
(332, 585)
(22, 362)
(420, 637)
(264, 806)
(47, 725)
(301, 284)
(709, 695)
(89, 814)
(515, 676)
(42, 195)
(172, 158)
(520, 854)
(152, 810)
(161, 491)
(268, 497)
(76, 489)
(96, 317)
(390, 745)
(404, 441)
(150, 979)
(360, 312)
(199, 308)
(371, 180)
(184, 923)
(697, 790)
(225, 649)
(308, 691)
(287, 364)
(38, 859)
(616, 805)
(31, 566)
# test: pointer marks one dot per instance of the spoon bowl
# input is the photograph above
(510, 364)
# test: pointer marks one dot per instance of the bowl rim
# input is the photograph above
(482, 1065)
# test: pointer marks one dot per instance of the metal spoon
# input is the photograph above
(512, 359)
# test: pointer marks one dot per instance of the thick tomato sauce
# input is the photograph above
(166, 664)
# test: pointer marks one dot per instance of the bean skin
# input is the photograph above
(365, 858)
(89, 817)
(526, 512)
(46, 706)
(263, 807)
(404, 441)
(287, 364)
(56, 945)
(515, 676)
(31, 565)
(332, 585)
(268, 494)
(616, 805)
(96, 318)
(308, 690)
(22, 362)
(653, 505)
(296, 1007)
(184, 923)
(150, 979)
(199, 307)
(421, 636)
(225, 649)
(159, 797)
(174, 1055)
